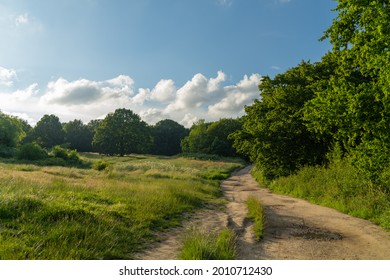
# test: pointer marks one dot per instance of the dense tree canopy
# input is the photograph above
(167, 136)
(78, 135)
(274, 135)
(48, 132)
(355, 106)
(122, 132)
(212, 138)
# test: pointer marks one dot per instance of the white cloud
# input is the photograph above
(84, 92)
(7, 76)
(199, 98)
(22, 19)
(236, 97)
(164, 91)
(25, 94)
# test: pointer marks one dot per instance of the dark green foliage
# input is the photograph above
(212, 138)
(6, 151)
(122, 132)
(167, 136)
(78, 135)
(274, 134)
(47, 133)
(31, 151)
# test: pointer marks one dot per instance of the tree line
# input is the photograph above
(119, 133)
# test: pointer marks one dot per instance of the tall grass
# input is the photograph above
(199, 245)
(338, 186)
(256, 214)
(51, 212)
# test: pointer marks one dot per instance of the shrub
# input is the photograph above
(65, 154)
(101, 165)
(73, 155)
(59, 152)
(31, 151)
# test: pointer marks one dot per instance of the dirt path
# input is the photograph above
(295, 229)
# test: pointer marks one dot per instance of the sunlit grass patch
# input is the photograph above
(256, 214)
(200, 245)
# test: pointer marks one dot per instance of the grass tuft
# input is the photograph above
(199, 245)
(256, 214)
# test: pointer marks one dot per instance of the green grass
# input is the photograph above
(256, 214)
(54, 212)
(338, 186)
(199, 245)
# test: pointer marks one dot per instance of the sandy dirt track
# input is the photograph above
(295, 229)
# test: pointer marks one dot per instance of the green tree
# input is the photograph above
(78, 135)
(274, 134)
(11, 133)
(218, 133)
(48, 132)
(355, 107)
(167, 136)
(212, 138)
(11, 130)
(197, 141)
(122, 132)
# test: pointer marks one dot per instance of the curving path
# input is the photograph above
(295, 228)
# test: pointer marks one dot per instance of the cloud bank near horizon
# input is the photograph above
(199, 98)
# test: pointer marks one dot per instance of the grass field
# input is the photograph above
(52, 212)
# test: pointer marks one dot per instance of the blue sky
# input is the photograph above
(178, 59)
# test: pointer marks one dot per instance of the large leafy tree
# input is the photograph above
(355, 107)
(167, 135)
(78, 135)
(48, 132)
(11, 133)
(274, 134)
(122, 132)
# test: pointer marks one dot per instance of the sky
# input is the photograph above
(184, 60)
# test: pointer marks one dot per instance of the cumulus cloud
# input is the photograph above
(164, 91)
(84, 92)
(199, 98)
(236, 97)
(7, 76)
(22, 95)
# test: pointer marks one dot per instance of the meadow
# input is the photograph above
(106, 208)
